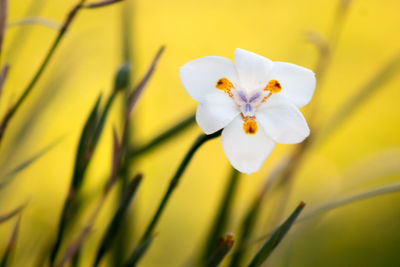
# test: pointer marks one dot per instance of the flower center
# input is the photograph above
(248, 103)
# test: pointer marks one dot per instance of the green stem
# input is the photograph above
(163, 137)
(172, 186)
(222, 216)
(11, 112)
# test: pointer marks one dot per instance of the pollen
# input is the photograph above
(225, 85)
(250, 126)
(273, 86)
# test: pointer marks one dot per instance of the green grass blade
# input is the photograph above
(222, 216)
(11, 214)
(276, 237)
(383, 76)
(11, 244)
(139, 251)
(3, 76)
(164, 136)
(223, 247)
(83, 155)
(102, 3)
(249, 221)
(114, 226)
(25, 164)
(338, 203)
(10, 113)
(134, 96)
(141, 247)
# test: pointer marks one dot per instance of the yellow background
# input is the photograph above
(363, 234)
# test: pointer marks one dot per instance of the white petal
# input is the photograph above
(282, 120)
(253, 70)
(298, 83)
(245, 152)
(215, 112)
(200, 76)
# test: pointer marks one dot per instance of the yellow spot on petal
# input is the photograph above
(225, 85)
(273, 86)
(250, 126)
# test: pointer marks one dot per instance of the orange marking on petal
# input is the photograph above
(273, 86)
(250, 126)
(225, 85)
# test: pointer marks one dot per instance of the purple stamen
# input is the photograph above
(247, 110)
(255, 97)
(242, 96)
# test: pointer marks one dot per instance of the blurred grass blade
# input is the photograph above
(9, 215)
(10, 113)
(3, 76)
(116, 222)
(350, 199)
(74, 249)
(163, 137)
(11, 244)
(83, 155)
(133, 98)
(102, 3)
(3, 21)
(224, 245)
(141, 247)
(388, 72)
(249, 221)
(139, 251)
(45, 22)
(222, 217)
(22, 166)
(276, 237)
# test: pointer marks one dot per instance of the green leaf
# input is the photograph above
(145, 241)
(223, 247)
(276, 237)
(116, 222)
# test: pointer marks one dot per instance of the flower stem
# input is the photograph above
(163, 137)
(135, 257)
(222, 216)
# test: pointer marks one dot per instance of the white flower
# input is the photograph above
(254, 100)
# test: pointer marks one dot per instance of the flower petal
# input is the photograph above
(215, 112)
(282, 120)
(253, 70)
(200, 76)
(298, 83)
(245, 152)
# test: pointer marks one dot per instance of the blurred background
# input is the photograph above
(361, 154)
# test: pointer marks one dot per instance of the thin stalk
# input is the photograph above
(222, 216)
(250, 219)
(135, 257)
(276, 237)
(223, 247)
(11, 112)
(11, 244)
(163, 137)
